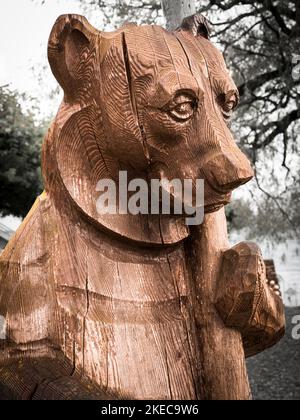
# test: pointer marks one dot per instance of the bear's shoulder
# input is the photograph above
(24, 280)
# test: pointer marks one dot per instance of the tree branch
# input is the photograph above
(259, 81)
(280, 128)
(283, 212)
(270, 6)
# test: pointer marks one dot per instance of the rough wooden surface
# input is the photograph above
(246, 302)
(222, 359)
(130, 306)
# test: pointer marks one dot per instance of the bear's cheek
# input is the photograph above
(160, 128)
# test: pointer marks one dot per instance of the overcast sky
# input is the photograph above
(24, 32)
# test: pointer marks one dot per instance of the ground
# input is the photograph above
(275, 374)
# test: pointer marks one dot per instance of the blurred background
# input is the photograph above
(261, 43)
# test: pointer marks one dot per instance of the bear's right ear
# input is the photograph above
(70, 50)
(197, 24)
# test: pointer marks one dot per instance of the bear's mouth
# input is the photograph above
(216, 200)
(212, 208)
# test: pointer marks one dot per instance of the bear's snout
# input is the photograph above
(225, 172)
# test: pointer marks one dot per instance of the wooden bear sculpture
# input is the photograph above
(141, 306)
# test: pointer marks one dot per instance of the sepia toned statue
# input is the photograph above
(134, 306)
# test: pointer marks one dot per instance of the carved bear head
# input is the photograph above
(148, 101)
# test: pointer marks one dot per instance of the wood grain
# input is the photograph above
(134, 307)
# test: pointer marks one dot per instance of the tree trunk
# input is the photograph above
(176, 10)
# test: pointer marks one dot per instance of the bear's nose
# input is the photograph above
(227, 172)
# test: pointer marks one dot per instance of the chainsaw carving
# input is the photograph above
(123, 306)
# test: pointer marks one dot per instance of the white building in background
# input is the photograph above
(287, 261)
(286, 257)
(5, 235)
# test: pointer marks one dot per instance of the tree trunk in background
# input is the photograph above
(176, 10)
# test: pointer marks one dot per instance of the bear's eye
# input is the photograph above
(228, 104)
(182, 107)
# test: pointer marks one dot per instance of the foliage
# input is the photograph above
(257, 223)
(237, 212)
(20, 144)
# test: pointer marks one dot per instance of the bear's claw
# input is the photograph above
(246, 302)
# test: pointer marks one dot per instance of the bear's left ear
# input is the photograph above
(198, 25)
(70, 51)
